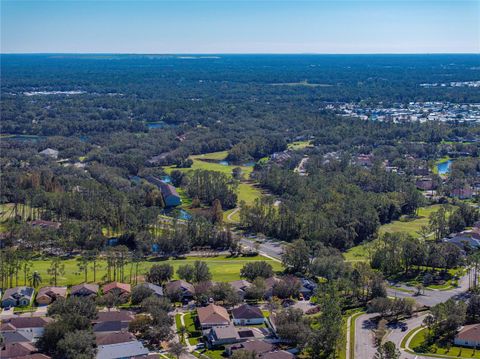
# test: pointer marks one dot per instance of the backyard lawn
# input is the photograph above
(453, 352)
(221, 267)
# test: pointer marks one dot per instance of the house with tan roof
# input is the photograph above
(47, 295)
(117, 288)
(84, 290)
(212, 315)
(468, 336)
(222, 335)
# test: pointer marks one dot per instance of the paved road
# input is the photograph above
(398, 331)
(434, 297)
(268, 247)
(364, 337)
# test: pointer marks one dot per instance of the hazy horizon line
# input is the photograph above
(238, 53)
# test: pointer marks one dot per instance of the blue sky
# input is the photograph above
(228, 26)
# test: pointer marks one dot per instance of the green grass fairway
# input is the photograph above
(207, 162)
(453, 352)
(221, 267)
(299, 145)
(247, 191)
(410, 226)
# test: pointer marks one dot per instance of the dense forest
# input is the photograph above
(117, 119)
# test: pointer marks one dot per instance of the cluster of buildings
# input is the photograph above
(413, 111)
(468, 238)
(452, 84)
(23, 296)
(20, 333)
(244, 328)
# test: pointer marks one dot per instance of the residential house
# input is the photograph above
(16, 337)
(114, 338)
(247, 315)
(118, 289)
(50, 152)
(258, 346)
(112, 321)
(308, 288)
(157, 290)
(278, 354)
(241, 287)
(425, 184)
(222, 335)
(84, 290)
(27, 326)
(169, 193)
(465, 238)
(185, 290)
(212, 315)
(47, 295)
(17, 297)
(468, 336)
(365, 160)
(269, 283)
(34, 356)
(462, 193)
(16, 350)
(132, 349)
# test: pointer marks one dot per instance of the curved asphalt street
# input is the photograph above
(364, 335)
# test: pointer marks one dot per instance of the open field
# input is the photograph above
(410, 226)
(221, 267)
(454, 351)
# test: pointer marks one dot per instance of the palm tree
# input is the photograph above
(35, 279)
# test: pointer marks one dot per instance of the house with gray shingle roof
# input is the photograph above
(18, 297)
(133, 349)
